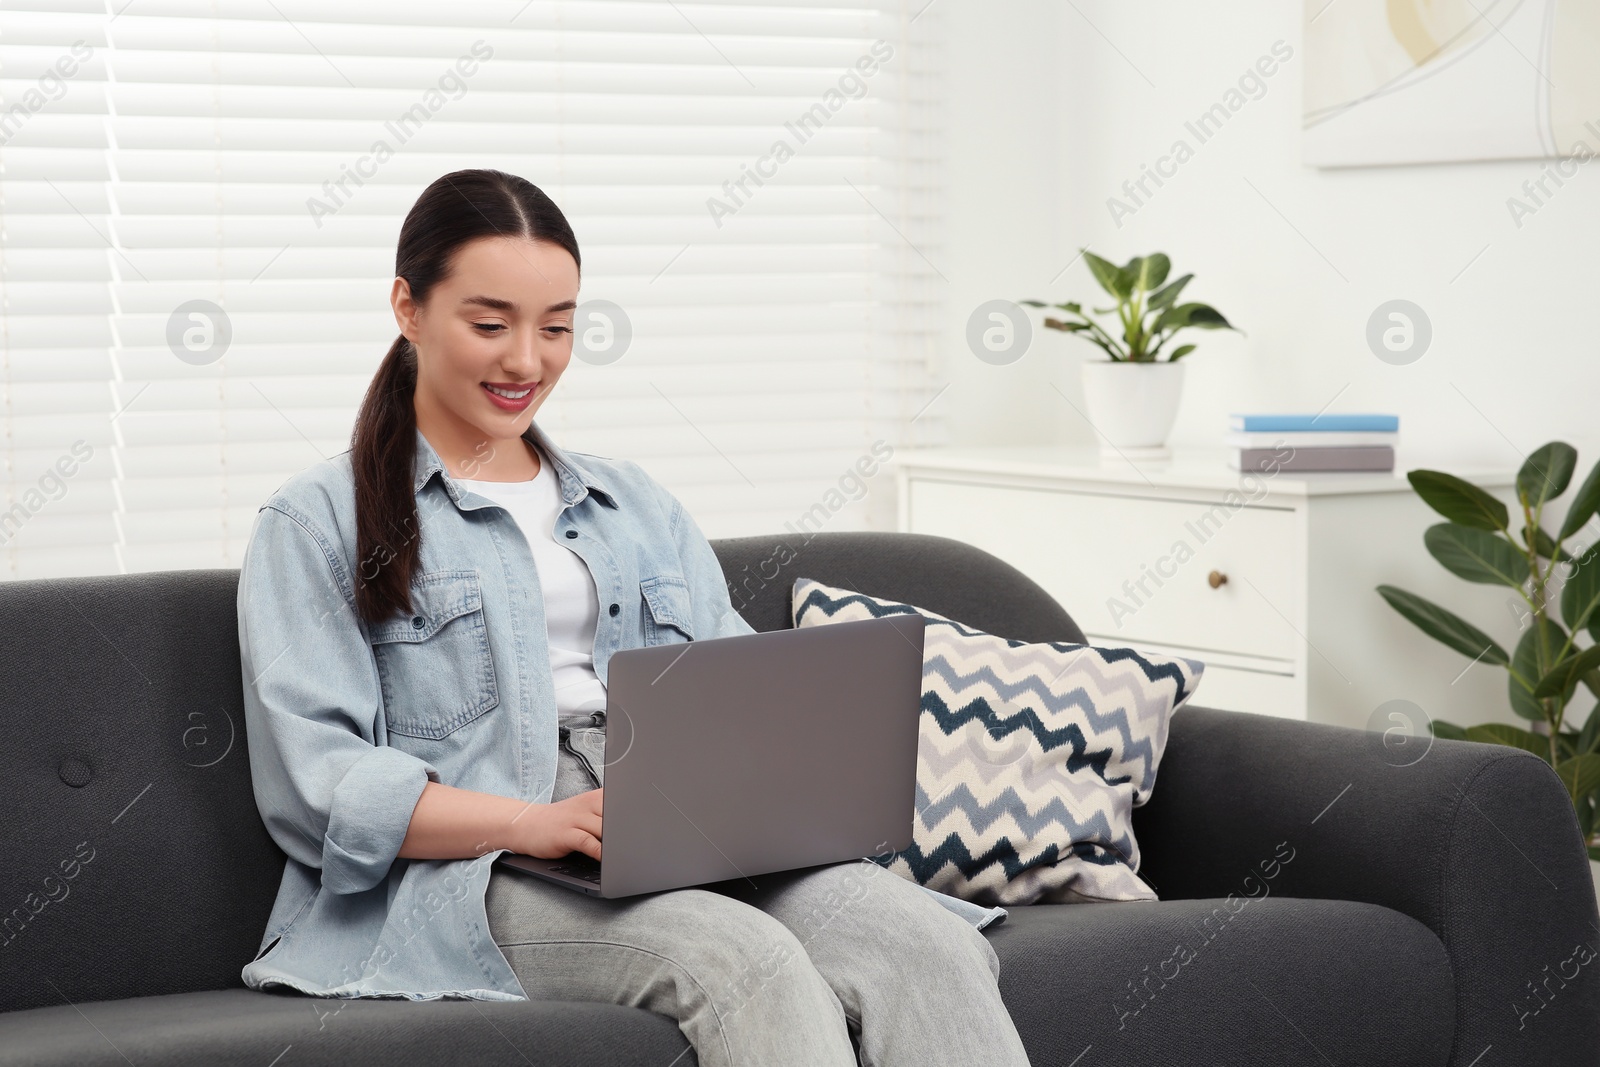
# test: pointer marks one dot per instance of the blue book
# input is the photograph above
(1304, 423)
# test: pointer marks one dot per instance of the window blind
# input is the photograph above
(165, 157)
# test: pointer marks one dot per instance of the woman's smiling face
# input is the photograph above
(492, 340)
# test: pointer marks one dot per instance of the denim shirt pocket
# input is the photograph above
(669, 617)
(434, 665)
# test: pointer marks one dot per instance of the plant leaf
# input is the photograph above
(1589, 736)
(1203, 316)
(1108, 274)
(1168, 293)
(1179, 352)
(1447, 730)
(1130, 273)
(1459, 500)
(1476, 555)
(1528, 661)
(1544, 544)
(1152, 271)
(1567, 744)
(1207, 317)
(1445, 626)
(1172, 318)
(1562, 680)
(1580, 596)
(1584, 505)
(1546, 473)
(1499, 733)
(1033, 303)
(1581, 775)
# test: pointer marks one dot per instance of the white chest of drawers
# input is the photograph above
(1268, 579)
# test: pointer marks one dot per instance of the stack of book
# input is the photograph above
(1312, 442)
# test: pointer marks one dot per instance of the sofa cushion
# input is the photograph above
(1276, 981)
(1031, 758)
(246, 1026)
(1279, 981)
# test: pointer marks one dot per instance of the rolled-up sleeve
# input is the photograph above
(714, 613)
(329, 795)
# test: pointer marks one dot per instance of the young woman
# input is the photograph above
(425, 623)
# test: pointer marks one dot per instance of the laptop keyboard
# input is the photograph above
(579, 866)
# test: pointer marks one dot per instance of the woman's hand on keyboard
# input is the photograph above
(550, 831)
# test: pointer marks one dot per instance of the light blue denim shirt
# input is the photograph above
(347, 722)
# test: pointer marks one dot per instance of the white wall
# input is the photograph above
(1006, 208)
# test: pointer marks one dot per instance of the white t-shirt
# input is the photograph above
(571, 603)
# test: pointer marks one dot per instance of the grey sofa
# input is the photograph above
(1382, 915)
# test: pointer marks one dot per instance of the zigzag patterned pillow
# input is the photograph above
(1031, 758)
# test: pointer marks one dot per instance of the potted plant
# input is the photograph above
(1133, 396)
(1548, 666)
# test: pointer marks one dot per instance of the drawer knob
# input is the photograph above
(1216, 578)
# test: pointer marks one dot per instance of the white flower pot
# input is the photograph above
(1132, 405)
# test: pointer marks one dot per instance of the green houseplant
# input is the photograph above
(1147, 309)
(1482, 542)
(1133, 395)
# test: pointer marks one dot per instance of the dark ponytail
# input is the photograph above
(457, 208)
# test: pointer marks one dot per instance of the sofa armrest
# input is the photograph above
(1477, 842)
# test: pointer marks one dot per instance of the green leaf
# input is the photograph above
(1445, 626)
(1168, 294)
(1447, 730)
(1567, 742)
(1562, 680)
(1589, 736)
(1130, 273)
(1207, 317)
(1546, 473)
(1172, 318)
(1069, 327)
(1072, 306)
(1476, 555)
(1584, 505)
(1184, 315)
(1581, 775)
(1580, 596)
(1033, 303)
(1459, 500)
(1109, 275)
(1499, 733)
(1529, 661)
(1152, 270)
(1544, 544)
(1179, 352)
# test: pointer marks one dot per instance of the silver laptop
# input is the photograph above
(734, 756)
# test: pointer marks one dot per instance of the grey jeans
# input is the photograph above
(806, 968)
